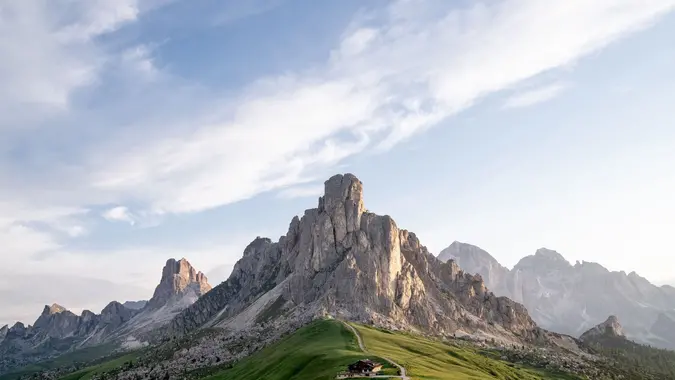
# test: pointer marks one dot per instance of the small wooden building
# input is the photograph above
(365, 366)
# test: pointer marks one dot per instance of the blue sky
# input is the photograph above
(138, 130)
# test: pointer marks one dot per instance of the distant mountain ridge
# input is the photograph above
(58, 330)
(573, 298)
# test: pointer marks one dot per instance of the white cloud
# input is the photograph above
(119, 214)
(75, 231)
(383, 84)
(538, 95)
(47, 57)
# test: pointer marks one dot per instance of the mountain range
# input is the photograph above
(58, 330)
(340, 261)
(570, 299)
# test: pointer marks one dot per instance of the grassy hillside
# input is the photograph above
(317, 351)
(324, 348)
(427, 359)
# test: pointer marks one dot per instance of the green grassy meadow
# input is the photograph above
(429, 359)
(315, 352)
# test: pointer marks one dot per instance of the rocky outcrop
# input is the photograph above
(178, 279)
(57, 322)
(609, 328)
(338, 259)
(571, 299)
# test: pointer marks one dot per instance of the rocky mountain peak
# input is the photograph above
(112, 308)
(19, 329)
(256, 245)
(463, 252)
(550, 255)
(609, 328)
(3, 332)
(340, 189)
(53, 309)
(543, 258)
(339, 259)
(178, 278)
(476, 260)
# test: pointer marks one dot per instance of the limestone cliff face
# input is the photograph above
(571, 299)
(178, 278)
(341, 260)
(57, 322)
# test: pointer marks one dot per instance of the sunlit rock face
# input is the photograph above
(339, 259)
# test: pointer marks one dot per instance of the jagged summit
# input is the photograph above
(53, 309)
(339, 259)
(459, 252)
(543, 258)
(550, 254)
(178, 278)
(609, 328)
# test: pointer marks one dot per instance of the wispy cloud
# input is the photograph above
(301, 192)
(383, 84)
(534, 96)
(119, 214)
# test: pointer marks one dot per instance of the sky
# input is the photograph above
(133, 131)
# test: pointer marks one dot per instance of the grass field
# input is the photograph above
(428, 359)
(315, 352)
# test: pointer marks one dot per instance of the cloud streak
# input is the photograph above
(534, 96)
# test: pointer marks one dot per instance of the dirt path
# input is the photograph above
(403, 375)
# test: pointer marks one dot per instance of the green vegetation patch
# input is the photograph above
(315, 352)
(428, 359)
